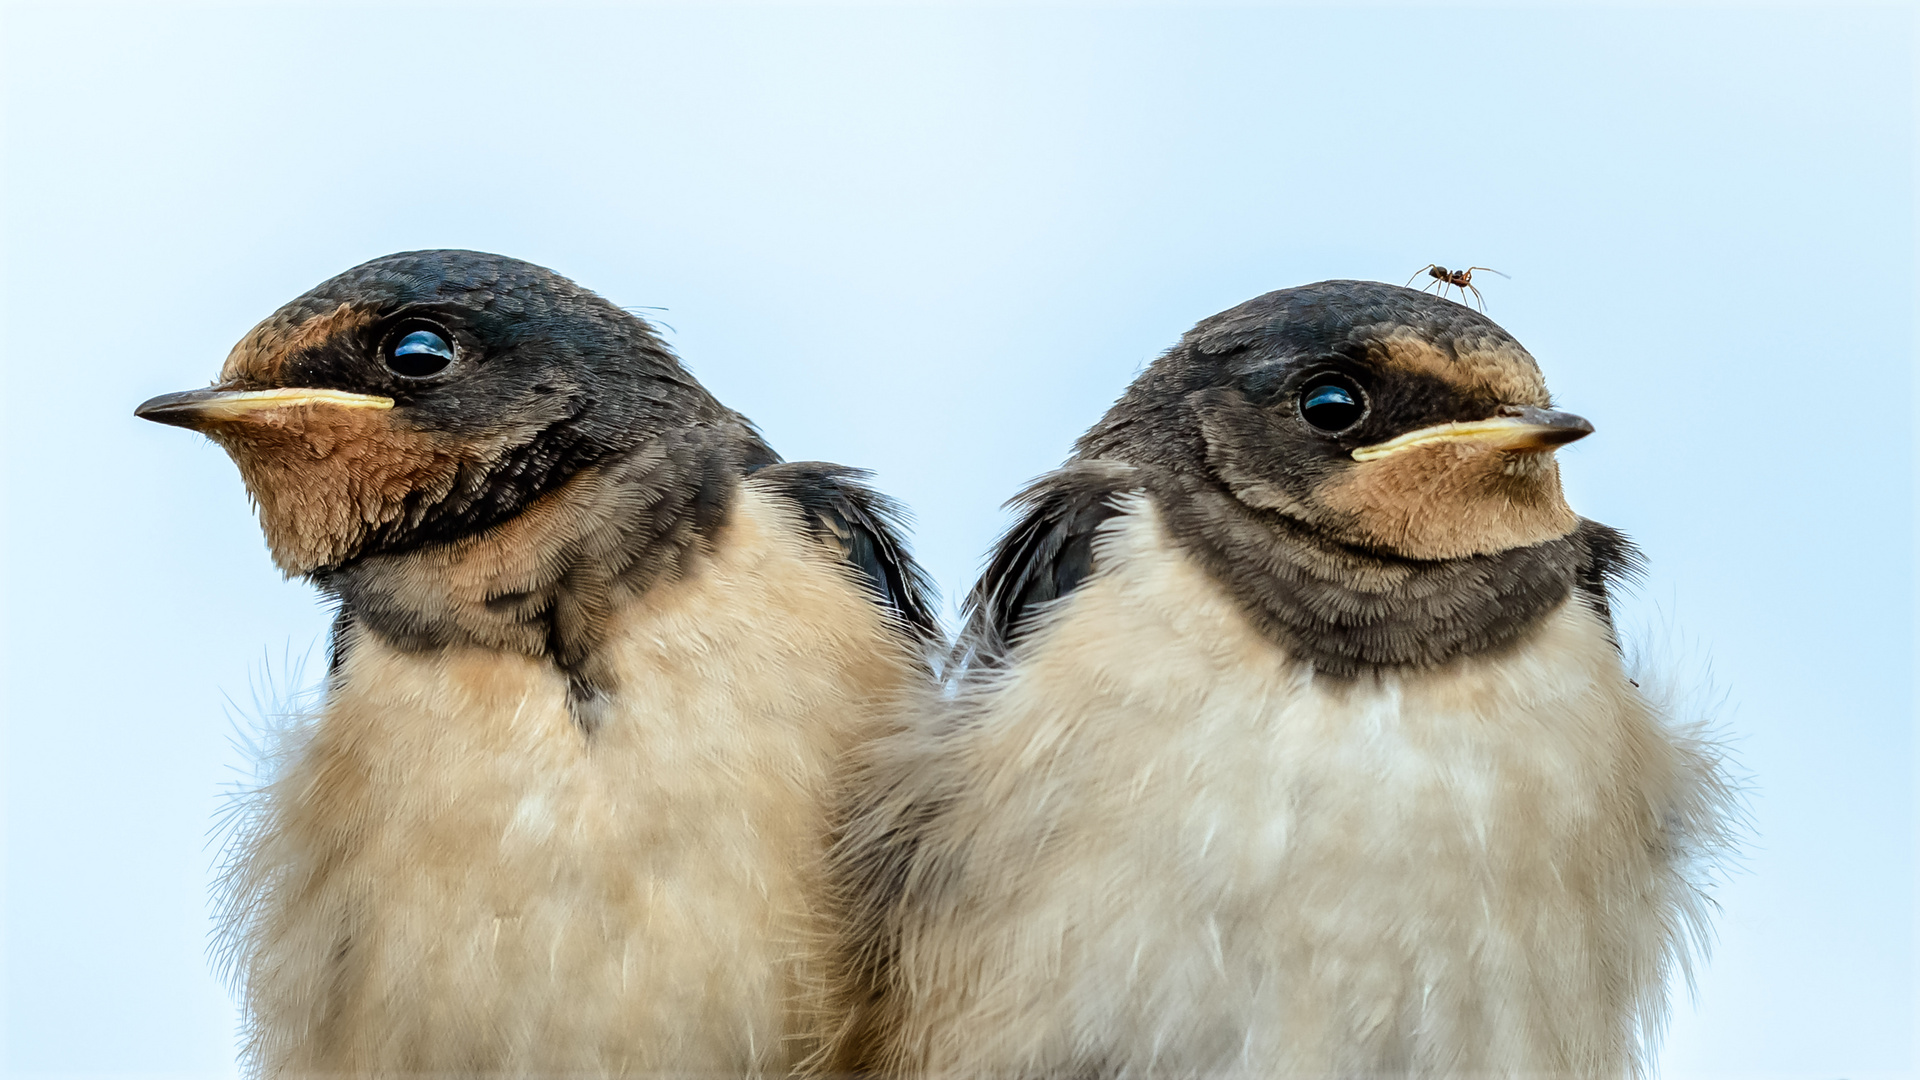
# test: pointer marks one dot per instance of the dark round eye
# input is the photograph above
(420, 353)
(1332, 403)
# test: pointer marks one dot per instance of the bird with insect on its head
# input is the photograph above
(1289, 737)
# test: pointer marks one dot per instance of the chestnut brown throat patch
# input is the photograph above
(326, 477)
(1448, 500)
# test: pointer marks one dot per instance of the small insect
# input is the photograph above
(1456, 279)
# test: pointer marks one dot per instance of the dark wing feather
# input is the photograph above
(866, 527)
(1045, 556)
(337, 638)
(1607, 559)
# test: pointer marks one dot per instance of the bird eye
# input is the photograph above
(419, 353)
(1332, 403)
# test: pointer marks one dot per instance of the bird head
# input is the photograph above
(1378, 416)
(426, 396)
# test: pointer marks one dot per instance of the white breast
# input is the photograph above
(1167, 849)
(451, 877)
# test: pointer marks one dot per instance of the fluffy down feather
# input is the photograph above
(1153, 845)
(450, 877)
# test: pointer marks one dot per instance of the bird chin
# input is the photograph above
(324, 479)
(1450, 501)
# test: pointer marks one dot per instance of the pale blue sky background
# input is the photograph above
(938, 243)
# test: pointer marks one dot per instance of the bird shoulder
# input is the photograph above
(1047, 553)
(865, 527)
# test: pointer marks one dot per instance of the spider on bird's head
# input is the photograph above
(1458, 279)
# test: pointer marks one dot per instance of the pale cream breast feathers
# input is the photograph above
(1164, 846)
(450, 875)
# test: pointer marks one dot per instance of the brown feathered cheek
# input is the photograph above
(1441, 492)
(325, 477)
(1448, 499)
(325, 467)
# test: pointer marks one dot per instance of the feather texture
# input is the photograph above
(450, 876)
(1153, 844)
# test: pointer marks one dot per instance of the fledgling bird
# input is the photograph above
(1289, 738)
(599, 655)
